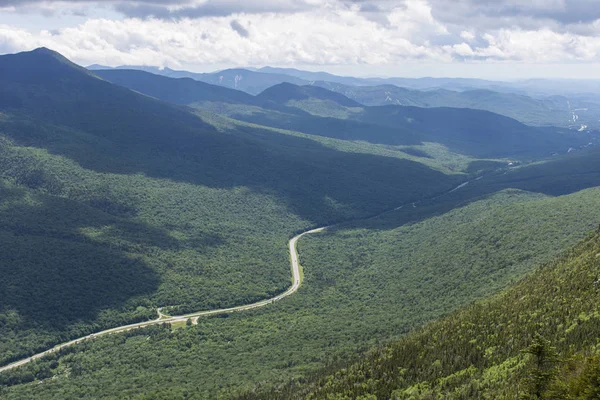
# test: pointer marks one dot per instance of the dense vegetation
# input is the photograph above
(361, 287)
(567, 103)
(114, 203)
(317, 111)
(536, 340)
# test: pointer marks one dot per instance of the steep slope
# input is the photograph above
(537, 339)
(178, 91)
(357, 293)
(114, 203)
(264, 110)
(476, 132)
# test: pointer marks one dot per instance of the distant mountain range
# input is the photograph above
(533, 102)
(315, 110)
(252, 82)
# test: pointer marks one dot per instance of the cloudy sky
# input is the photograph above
(499, 39)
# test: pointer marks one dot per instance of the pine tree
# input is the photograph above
(543, 369)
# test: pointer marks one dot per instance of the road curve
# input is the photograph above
(162, 318)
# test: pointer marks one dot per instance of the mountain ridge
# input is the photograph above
(317, 111)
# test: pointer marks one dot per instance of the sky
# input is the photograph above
(493, 39)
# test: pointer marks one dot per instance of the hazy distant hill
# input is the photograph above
(549, 111)
(252, 82)
(318, 111)
(573, 104)
(475, 132)
(317, 76)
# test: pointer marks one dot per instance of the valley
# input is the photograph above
(125, 194)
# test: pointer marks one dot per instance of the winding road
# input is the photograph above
(163, 318)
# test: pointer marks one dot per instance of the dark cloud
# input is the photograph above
(6, 3)
(369, 7)
(236, 26)
(79, 13)
(562, 12)
(558, 15)
(211, 8)
(164, 9)
(207, 9)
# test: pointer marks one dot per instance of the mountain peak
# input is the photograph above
(44, 52)
(37, 65)
(285, 91)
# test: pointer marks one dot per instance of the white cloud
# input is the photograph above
(467, 35)
(318, 32)
(462, 49)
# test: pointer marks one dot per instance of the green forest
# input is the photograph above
(114, 203)
(200, 221)
(535, 340)
(377, 291)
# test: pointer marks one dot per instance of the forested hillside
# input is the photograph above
(537, 339)
(361, 287)
(321, 112)
(531, 107)
(551, 110)
(115, 203)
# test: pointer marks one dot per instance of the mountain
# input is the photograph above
(178, 91)
(366, 283)
(249, 81)
(114, 203)
(534, 340)
(426, 83)
(252, 82)
(316, 76)
(286, 92)
(261, 110)
(530, 87)
(572, 104)
(317, 111)
(539, 112)
(467, 131)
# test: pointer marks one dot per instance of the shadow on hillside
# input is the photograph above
(54, 275)
(318, 183)
(345, 129)
(563, 176)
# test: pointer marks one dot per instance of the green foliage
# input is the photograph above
(317, 111)
(361, 287)
(491, 349)
(542, 371)
(113, 204)
(548, 111)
